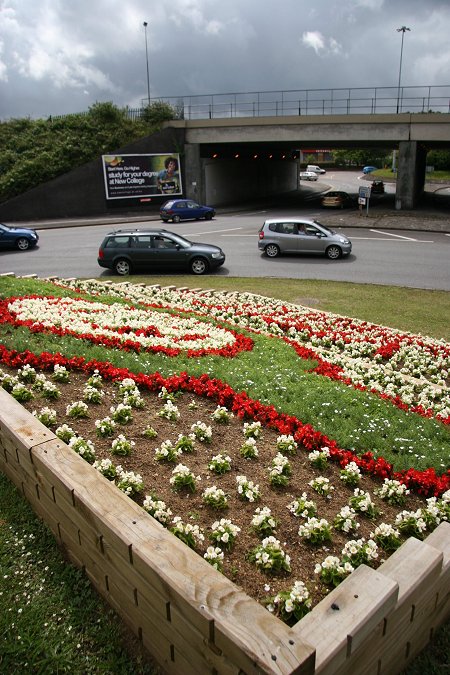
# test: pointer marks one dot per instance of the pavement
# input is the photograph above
(429, 219)
(419, 221)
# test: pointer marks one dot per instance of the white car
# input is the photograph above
(315, 168)
(308, 175)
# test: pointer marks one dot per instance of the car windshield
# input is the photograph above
(324, 227)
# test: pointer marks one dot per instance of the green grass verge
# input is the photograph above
(51, 620)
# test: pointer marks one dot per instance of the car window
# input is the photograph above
(163, 242)
(192, 205)
(116, 242)
(179, 205)
(310, 229)
(142, 241)
(287, 228)
(168, 205)
(324, 227)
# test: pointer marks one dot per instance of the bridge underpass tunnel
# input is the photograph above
(224, 174)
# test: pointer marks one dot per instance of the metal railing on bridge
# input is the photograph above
(341, 101)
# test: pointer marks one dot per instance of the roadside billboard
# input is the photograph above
(131, 176)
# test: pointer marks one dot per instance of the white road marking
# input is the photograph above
(213, 231)
(394, 241)
(388, 234)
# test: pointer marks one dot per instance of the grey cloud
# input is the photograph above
(53, 53)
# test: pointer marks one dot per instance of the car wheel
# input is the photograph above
(199, 266)
(22, 244)
(272, 251)
(122, 267)
(333, 252)
(176, 219)
(208, 216)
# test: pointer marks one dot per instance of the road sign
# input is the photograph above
(364, 191)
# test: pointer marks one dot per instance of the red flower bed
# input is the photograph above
(426, 482)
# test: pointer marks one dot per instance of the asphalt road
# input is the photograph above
(414, 259)
(390, 248)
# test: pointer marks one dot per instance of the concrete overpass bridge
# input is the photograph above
(231, 159)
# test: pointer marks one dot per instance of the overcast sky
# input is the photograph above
(62, 56)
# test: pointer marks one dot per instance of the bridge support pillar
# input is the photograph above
(411, 174)
(194, 187)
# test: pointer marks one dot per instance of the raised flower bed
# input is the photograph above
(190, 616)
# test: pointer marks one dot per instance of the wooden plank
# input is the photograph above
(148, 631)
(11, 455)
(251, 627)
(196, 646)
(175, 571)
(346, 618)
(415, 566)
(200, 593)
(177, 664)
(440, 540)
(17, 423)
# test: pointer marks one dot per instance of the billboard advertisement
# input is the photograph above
(140, 176)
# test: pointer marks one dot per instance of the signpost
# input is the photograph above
(364, 198)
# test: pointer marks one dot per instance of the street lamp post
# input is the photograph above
(146, 56)
(401, 30)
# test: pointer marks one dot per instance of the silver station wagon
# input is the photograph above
(294, 235)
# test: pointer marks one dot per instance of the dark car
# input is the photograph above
(337, 199)
(184, 209)
(17, 237)
(377, 187)
(156, 250)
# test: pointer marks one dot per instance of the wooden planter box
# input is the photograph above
(192, 618)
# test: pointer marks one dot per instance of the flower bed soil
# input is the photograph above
(227, 440)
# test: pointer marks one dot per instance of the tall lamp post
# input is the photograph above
(146, 56)
(401, 30)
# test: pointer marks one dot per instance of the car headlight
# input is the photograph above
(343, 240)
(219, 254)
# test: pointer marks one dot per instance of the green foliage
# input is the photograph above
(158, 112)
(362, 156)
(440, 159)
(36, 151)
